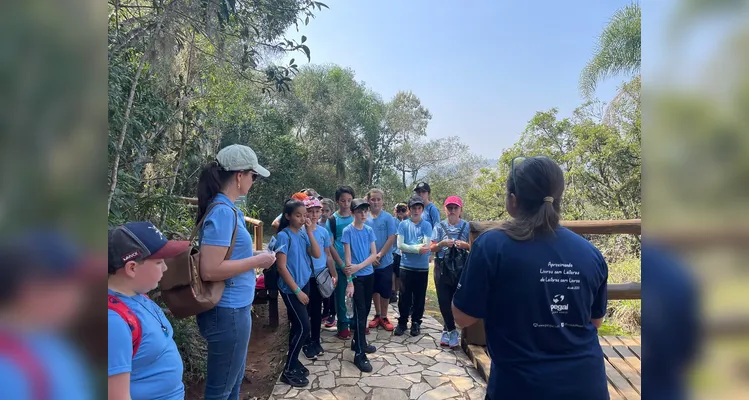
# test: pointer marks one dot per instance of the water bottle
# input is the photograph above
(349, 307)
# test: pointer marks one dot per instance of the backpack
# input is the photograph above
(182, 288)
(132, 321)
(453, 261)
(15, 349)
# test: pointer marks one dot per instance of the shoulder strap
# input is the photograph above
(14, 348)
(118, 306)
(462, 228)
(233, 235)
(444, 228)
(332, 222)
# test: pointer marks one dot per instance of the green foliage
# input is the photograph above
(617, 50)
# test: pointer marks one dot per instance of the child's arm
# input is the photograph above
(347, 254)
(412, 248)
(372, 255)
(387, 247)
(314, 248)
(337, 258)
(331, 265)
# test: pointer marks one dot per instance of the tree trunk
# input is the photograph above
(121, 140)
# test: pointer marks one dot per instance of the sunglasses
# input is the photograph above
(515, 162)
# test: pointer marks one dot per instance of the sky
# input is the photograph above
(482, 68)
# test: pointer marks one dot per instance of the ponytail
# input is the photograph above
(212, 179)
(537, 185)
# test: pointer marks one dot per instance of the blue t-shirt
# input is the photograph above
(323, 240)
(431, 214)
(384, 226)
(156, 369)
(537, 298)
(340, 224)
(217, 230)
(297, 257)
(360, 241)
(457, 232)
(65, 372)
(415, 234)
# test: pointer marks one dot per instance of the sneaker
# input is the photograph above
(318, 348)
(385, 323)
(330, 322)
(294, 378)
(399, 330)
(344, 334)
(374, 322)
(415, 329)
(303, 370)
(445, 340)
(454, 342)
(362, 363)
(369, 349)
(310, 351)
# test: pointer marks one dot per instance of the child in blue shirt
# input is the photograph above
(153, 370)
(385, 228)
(316, 301)
(360, 251)
(336, 224)
(295, 244)
(414, 237)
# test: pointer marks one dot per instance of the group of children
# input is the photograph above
(369, 253)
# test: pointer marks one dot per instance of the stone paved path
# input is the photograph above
(404, 368)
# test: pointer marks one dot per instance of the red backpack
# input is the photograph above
(119, 306)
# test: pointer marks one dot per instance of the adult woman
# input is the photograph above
(541, 290)
(227, 326)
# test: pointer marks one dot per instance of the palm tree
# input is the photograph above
(617, 51)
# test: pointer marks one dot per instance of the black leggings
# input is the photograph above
(314, 310)
(328, 309)
(413, 295)
(445, 293)
(363, 288)
(300, 329)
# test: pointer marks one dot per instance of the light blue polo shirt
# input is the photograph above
(297, 257)
(360, 241)
(384, 226)
(156, 369)
(217, 231)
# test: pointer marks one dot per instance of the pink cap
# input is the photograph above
(312, 202)
(454, 200)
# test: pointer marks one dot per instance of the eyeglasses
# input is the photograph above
(255, 175)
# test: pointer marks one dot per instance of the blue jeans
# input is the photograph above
(227, 331)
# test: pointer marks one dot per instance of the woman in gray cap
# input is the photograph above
(227, 326)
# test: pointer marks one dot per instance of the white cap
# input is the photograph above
(237, 157)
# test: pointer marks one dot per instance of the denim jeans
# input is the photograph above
(227, 331)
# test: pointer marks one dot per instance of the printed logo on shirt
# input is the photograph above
(557, 307)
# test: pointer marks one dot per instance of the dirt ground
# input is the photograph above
(265, 357)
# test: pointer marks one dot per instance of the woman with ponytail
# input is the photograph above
(541, 290)
(226, 328)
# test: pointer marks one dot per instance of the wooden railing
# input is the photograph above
(256, 224)
(616, 291)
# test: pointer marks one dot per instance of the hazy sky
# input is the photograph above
(482, 68)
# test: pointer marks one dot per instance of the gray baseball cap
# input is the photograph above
(237, 157)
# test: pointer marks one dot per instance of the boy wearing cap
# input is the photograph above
(136, 264)
(401, 212)
(431, 213)
(453, 232)
(360, 251)
(414, 236)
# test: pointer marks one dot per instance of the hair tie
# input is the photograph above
(549, 199)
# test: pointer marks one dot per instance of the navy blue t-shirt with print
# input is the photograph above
(537, 299)
(298, 261)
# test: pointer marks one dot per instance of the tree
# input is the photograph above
(617, 50)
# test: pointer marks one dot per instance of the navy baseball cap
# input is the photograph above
(415, 200)
(358, 203)
(422, 187)
(136, 241)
